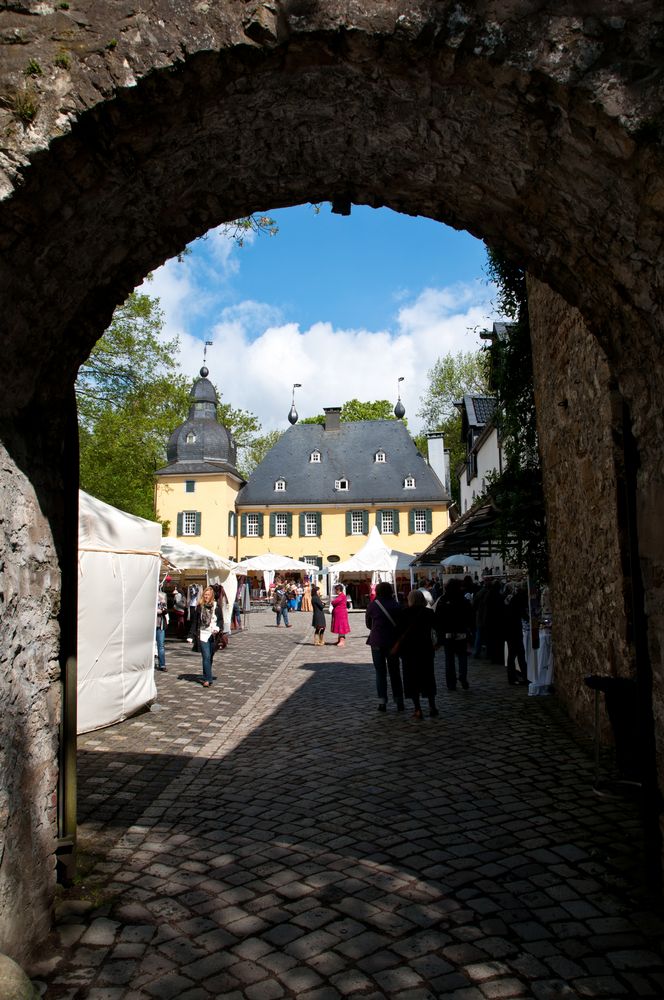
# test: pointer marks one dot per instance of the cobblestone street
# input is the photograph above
(275, 836)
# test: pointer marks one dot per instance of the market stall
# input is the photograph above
(374, 562)
(195, 567)
(118, 562)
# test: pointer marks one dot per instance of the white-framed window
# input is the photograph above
(314, 456)
(341, 484)
(191, 438)
(252, 525)
(281, 524)
(312, 560)
(379, 456)
(356, 522)
(311, 525)
(280, 486)
(409, 483)
(420, 522)
(189, 522)
(387, 522)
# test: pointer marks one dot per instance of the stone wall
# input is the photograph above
(30, 716)
(127, 130)
(579, 426)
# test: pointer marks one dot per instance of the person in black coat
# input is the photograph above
(454, 623)
(381, 619)
(516, 611)
(416, 649)
(318, 617)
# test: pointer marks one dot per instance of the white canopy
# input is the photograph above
(118, 560)
(375, 559)
(195, 558)
(271, 563)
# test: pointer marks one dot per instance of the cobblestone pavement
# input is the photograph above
(275, 836)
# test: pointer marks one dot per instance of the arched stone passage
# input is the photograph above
(129, 132)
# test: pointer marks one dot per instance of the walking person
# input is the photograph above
(318, 617)
(209, 623)
(416, 649)
(280, 604)
(339, 625)
(160, 630)
(381, 619)
(516, 611)
(453, 626)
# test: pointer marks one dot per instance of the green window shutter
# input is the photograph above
(429, 521)
(349, 523)
(198, 523)
(301, 529)
(411, 522)
(260, 525)
(273, 525)
(319, 562)
(319, 524)
(243, 525)
(365, 522)
(395, 522)
(379, 520)
(180, 523)
(289, 524)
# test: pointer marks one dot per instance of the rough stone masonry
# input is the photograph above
(128, 129)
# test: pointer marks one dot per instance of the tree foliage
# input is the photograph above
(452, 376)
(256, 450)
(517, 493)
(354, 409)
(131, 397)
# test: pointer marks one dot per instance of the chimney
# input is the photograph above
(332, 417)
(439, 459)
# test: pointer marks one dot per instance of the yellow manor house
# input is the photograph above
(315, 495)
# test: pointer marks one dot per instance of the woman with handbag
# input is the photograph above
(209, 625)
(415, 646)
(381, 619)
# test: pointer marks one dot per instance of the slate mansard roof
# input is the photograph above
(345, 453)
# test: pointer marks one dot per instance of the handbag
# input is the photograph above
(220, 640)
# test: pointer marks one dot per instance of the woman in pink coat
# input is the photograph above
(339, 607)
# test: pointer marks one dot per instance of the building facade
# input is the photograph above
(315, 495)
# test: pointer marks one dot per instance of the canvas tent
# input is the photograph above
(271, 563)
(375, 559)
(118, 561)
(192, 560)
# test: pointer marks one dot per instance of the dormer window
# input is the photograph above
(379, 456)
(191, 438)
(409, 483)
(341, 484)
(280, 486)
(314, 456)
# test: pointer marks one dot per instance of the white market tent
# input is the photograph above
(271, 563)
(118, 561)
(188, 558)
(374, 559)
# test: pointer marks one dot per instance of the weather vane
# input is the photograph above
(399, 409)
(292, 416)
(208, 343)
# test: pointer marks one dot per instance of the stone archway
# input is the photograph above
(127, 132)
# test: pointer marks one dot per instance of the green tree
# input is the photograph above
(256, 450)
(131, 397)
(452, 376)
(354, 409)
(517, 493)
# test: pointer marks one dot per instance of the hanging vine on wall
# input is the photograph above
(517, 492)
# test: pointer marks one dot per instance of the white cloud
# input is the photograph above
(257, 355)
(256, 358)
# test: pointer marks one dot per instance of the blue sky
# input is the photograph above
(344, 305)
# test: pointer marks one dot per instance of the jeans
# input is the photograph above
(458, 648)
(207, 655)
(160, 635)
(282, 613)
(384, 663)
